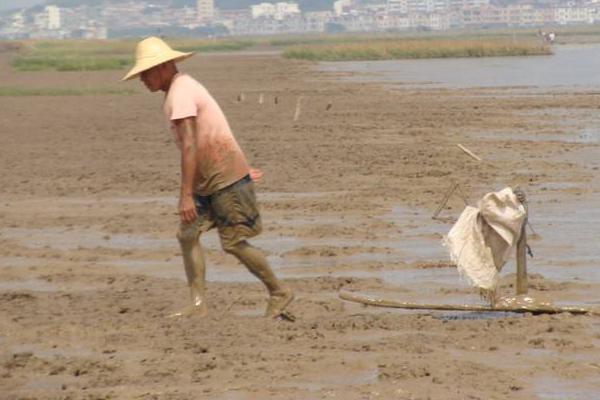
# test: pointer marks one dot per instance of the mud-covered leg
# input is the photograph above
(255, 261)
(195, 268)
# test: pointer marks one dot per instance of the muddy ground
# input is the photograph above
(90, 267)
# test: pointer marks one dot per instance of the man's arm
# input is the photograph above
(186, 131)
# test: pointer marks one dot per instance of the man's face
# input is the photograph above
(152, 78)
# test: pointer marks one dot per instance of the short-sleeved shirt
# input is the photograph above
(220, 160)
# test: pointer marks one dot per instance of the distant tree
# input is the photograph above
(332, 27)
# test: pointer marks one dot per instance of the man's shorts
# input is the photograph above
(233, 210)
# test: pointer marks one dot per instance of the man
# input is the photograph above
(217, 188)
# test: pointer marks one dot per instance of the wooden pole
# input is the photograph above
(469, 152)
(298, 108)
(453, 187)
(522, 284)
(524, 308)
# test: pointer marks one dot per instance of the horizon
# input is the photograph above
(17, 4)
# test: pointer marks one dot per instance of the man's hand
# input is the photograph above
(187, 209)
(256, 175)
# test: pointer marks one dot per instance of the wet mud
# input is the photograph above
(90, 266)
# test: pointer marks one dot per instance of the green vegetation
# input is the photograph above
(37, 63)
(211, 45)
(100, 55)
(388, 49)
(28, 92)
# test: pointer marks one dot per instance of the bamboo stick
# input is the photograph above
(451, 190)
(298, 108)
(469, 152)
(525, 308)
(522, 285)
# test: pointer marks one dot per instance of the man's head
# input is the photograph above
(159, 77)
(155, 59)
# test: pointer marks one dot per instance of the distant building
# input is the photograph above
(53, 16)
(49, 19)
(205, 10)
(341, 7)
(396, 7)
(278, 11)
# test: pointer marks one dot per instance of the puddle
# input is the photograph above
(38, 285)
(73, 239)
(353, 373)
(278, 196)
(467, 315)
(34, 285)
(22, 262)
(560, 185)
(586, 135)
(554, 388)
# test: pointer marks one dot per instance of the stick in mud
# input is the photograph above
(524, 308)
(298, 108)
(469, 152)
(451, 190)
(521, 284)
(240, 97)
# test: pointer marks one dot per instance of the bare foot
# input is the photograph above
(191, 311)
(278, 302)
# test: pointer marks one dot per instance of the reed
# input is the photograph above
(70, 63)
(411, 49)
(99, 55)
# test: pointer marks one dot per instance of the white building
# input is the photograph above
(262, 10)
(397, 6)
(49, 19)
(278, 11)
(574, 15)
(205, 10)
(341, 7)
(53, 16)
(427, 6)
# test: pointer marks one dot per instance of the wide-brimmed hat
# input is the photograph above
(151, 52)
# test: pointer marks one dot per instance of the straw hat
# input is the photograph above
(151, 52)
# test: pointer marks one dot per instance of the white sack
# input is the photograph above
(483, 238)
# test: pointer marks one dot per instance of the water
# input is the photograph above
(572, 66)
(553, 388)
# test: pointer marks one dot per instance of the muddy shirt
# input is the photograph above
(220, 160)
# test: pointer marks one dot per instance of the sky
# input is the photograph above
(11, 4)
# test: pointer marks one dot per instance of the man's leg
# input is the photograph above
(257, 264)
(195, 268)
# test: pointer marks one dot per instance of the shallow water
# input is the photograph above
(572, 67)
(553, 388)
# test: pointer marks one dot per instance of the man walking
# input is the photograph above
(217, 188)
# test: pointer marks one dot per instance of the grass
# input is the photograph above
(101, 55)
(71, 63)
(389, 49)
(212, 46)
(27, 92)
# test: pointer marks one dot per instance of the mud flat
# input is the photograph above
(89, 266)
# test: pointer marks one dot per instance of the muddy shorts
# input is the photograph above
(232, 210)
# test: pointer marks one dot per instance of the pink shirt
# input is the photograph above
(220, 160)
